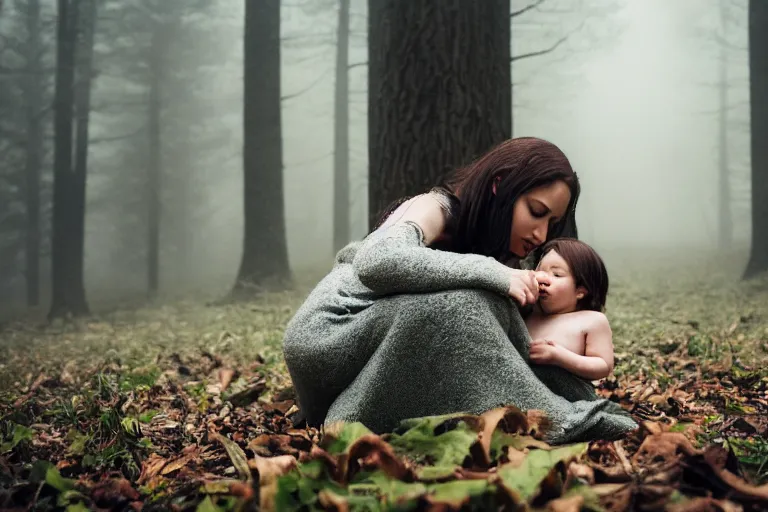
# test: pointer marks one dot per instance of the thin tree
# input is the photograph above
(725, 222)
(758, 77)
(439, 91)
(341, 132)
(33, 104)
(265, 254)
(155, 57)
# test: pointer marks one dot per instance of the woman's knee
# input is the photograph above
(456, 309)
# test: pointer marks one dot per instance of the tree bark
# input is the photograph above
(439, 91)
(341, 132)
(265, 254)
(33, 104)
(758, 72)
(68, 293)
(83, 85)
(725, 223)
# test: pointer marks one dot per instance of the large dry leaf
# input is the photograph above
(151, 467)
(236, 455)
(269, 469)
(370, 452)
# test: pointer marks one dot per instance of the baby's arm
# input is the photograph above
(597, 361)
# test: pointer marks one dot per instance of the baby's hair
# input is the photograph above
(587, 268)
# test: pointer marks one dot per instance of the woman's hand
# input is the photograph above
(524, 286)
(544, 352)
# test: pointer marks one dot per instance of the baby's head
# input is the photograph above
(579, 280)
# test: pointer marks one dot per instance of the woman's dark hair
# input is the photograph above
(484, 220)
(587, 269)
(479, 220)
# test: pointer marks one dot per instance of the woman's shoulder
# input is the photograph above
(447, 201)
(426, 210)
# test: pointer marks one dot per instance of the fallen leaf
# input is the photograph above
(566, 504)
(370, 452)
(151, 467)
(269, 469)
(236, 455)
(526, 478)
(225, 377)
(114, 490)
(248, 395)
(663, 448)
(176, 464)
(703, 504)
(332, 501)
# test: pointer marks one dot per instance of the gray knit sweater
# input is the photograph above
(398, 330)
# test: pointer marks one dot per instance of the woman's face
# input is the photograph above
(533, 215)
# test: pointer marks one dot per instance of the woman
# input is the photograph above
(399, 329)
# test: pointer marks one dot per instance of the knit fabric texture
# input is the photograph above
(397, 330)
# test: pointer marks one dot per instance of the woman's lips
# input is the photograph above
(528, 247)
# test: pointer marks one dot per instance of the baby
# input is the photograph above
(567, 325)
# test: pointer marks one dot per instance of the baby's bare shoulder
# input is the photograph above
(593, 320)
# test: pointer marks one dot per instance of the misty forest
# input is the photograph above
(176, 176)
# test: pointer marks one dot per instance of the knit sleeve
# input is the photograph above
(396, 260)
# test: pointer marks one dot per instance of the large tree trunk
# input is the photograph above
(725, 224)
(265, 254)
(68, 294)
(154, 167)
(33, 104)
(758, 73)
(439, 91)
(341, 132)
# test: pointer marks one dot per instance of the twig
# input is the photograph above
(526, 8)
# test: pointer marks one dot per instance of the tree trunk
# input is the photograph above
(33, 103)
(725, 224)
(439, 91)
(758, 73)
(265, 254)
(154, 168)
(341, 133)
(68, 294)
(83, 83)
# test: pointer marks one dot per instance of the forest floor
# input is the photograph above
(187, 406)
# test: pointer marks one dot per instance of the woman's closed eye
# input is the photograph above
(537, 212)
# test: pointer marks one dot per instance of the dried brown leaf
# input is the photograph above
(176, 464)
(151, 467)
(268, 470)
(663, 448)
(114, 489)
(225, 377)
(332, 502)
(707, 504)
(236, 455)
(569, 504)
(371, 452)
(579, 473)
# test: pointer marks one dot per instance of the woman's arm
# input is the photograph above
(395, 259)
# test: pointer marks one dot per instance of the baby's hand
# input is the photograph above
(544, 352)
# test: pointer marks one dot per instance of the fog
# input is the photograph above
(630, 96)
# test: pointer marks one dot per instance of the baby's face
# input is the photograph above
(561, 295)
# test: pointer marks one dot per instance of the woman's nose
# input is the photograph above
(540, 233)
